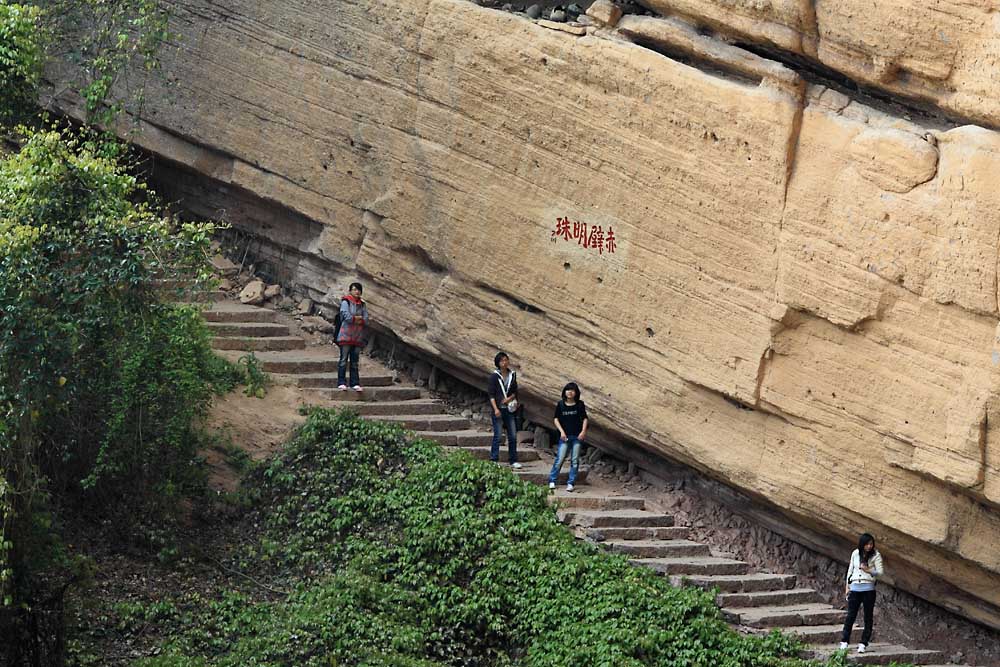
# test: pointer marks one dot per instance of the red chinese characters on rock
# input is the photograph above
(591, 237)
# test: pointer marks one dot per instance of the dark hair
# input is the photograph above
(571, 385)
(500, 355)
(862, 541)
(358, 285)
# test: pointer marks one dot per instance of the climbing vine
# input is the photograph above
(21, 59)
(106, 50)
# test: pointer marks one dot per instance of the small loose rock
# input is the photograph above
(253, 293)
(316, 325)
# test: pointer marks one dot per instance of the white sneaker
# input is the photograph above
(342, 387)
(569, 487)
(862, 648)
(552, 485)
(843, 645)
(516, 466)
(357, 387)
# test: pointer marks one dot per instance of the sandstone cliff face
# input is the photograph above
(944, 52)
(802, 297)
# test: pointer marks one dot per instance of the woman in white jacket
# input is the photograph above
(864, 570)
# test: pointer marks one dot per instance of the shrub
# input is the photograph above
(399, 554)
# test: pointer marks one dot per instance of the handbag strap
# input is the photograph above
(509, 382)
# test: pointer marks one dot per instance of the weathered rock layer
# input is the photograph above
(802, 295)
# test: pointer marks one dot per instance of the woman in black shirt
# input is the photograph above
(571, 420)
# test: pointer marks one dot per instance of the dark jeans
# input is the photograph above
(348, 355)
(506, 419)
(856, 599)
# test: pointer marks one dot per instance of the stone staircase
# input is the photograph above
(754, 602)
(288, 359)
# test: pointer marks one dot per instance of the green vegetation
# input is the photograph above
(254, 378)
(381, 550)
(21, 59)
(101, 381)
(106, 49)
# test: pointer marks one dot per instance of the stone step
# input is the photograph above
(878, 654)
(171, 284)
(299, 362)
(428, 422)
(466, 438)
(537, 472)
(329, 380)
(742, 583)
(659, 548)
(275, 343)
(768, 598)
(207, 296)
(247, 329)
(617, 519)
(783, 616)
(483, 453)
(638, 534)
(702, 565)
(814, 634)
(393, 393)
(374, 407)
(594, 500)
(238, 313)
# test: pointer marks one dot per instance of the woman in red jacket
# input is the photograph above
(350, 338)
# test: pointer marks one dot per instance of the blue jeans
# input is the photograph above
(505, 419)
(574, 461)
(348, 355)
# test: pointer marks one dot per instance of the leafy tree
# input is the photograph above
(100, 379)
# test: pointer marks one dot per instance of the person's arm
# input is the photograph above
(555, 420)
(345, 312)
(493, 390)
(362, 316)
(847, 582)
(583, 431)
(875, 568)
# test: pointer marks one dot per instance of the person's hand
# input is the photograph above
(496, 412)
(847, 591)
(865, 568)
(582, 436)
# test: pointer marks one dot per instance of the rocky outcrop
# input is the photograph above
(790, 291)
(942, 53)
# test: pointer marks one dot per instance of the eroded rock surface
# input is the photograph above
(944, 52)
(802, 297)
